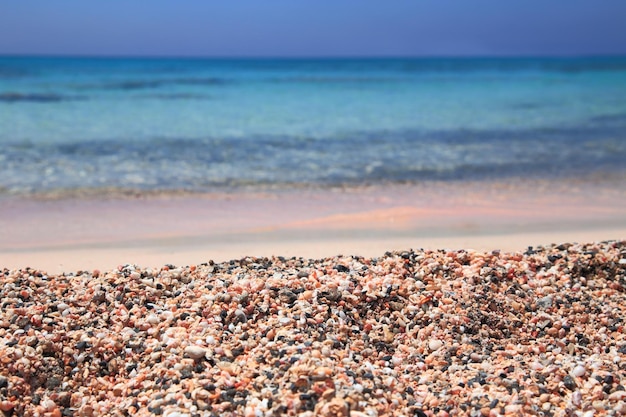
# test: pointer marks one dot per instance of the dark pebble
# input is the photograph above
(4, 382)
(82, 345)
(53, 382)
(156, 410)
(569, 383)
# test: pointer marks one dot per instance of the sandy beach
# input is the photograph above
(313, 209)
(69, 234)
(445, 299)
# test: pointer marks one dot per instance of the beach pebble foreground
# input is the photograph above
(415, 333)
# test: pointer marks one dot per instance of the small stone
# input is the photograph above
(118, 389)
(579, 371)
(622, 261)
(287, 296)
(569, 383)
(617, 396)
(195, 352)
(475, 357)
(6, 406)
(82, 345)
(321, 373)
(4, 382)
(153, 319)
(48, 404)
(435, 344)
(512, 408)
(545, 302)
(229, 367)
(337, 407)
(61, 307)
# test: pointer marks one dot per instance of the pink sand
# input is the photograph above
(72, 234)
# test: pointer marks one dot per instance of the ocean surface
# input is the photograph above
(70, 124)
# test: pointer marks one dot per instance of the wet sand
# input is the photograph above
(70, 234)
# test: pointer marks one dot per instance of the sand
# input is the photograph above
(96, 232)
(179, 305)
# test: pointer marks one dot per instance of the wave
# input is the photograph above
(351, 158)
(10, 97)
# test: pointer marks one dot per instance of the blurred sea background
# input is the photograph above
(200, 125)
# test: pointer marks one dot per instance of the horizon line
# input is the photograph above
(312, 57)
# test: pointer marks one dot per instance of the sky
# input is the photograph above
(312, 28)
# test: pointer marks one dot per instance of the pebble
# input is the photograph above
(618, 395)
(61, 307)
(545, 302)
(153, 319)
(432, 333)
(6, 405)
(195, 352)
(579, 371)
(435, 344)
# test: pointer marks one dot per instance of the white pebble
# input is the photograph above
(48, 404)
(579, 371)
(435, 344)
(617, 396)
(195, 352)
(153, 319)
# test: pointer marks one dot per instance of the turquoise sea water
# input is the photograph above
(193, 124)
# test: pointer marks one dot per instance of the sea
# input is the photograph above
(198, 125)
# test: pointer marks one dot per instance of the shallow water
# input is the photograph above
(173, 124)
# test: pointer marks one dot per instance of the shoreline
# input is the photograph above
(62, 235)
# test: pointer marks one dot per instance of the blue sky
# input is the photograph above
(289, 28)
